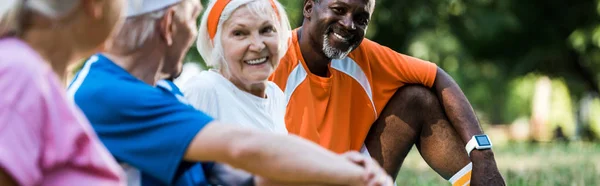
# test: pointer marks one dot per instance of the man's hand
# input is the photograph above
(375, 175)
(485, 171)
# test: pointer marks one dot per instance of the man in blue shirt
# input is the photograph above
(159, 138)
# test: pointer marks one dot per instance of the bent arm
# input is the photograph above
(276, 157)
(457, 107)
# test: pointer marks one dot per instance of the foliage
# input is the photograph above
(561, 109)
(594, 119)
(520, 97)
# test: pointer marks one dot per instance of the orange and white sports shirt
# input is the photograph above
(338, 111)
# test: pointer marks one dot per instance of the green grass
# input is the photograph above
(524, 164)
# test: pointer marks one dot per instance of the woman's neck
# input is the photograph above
(56, 51)
(257, 89)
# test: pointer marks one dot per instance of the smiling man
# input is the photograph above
(346, 92)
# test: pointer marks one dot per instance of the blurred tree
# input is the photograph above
(486, 44)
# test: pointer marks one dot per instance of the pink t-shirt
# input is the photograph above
(44, 137)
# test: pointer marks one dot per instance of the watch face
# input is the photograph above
(482, 140)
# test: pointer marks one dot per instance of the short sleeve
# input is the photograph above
(201, 93)
(20, 146)
(405, 69)
(143, 126)
(43, 137)
(20, 136)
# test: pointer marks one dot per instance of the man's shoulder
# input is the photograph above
(114, 92)
(291, 57)
(370, 52)
(369, 47)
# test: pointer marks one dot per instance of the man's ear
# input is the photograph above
(308, 8)
(167, 28)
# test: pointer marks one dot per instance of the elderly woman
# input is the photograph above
(44, 138)
(244, 40)
(244, 47)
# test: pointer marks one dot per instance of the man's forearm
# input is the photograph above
(285, 158)
(457, 107)
(292, 159)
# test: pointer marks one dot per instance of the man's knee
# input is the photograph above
(412, 106)
(415, 98)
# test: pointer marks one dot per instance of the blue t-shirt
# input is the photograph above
(196, 174)
(141, 125)
(169, 86)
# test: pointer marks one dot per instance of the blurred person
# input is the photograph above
(44, 137)
(346, 92)
(159, 139)
(243, 40)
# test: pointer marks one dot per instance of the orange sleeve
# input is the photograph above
(387, 64)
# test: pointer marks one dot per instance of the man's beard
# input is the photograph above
(332, 52)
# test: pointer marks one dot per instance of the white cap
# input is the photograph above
(139, 7)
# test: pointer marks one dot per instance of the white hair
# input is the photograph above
(212, 50)
(10, 11)
(137, 30)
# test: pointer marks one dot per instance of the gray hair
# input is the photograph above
(212, 50)
(10, 11)
(137, 30)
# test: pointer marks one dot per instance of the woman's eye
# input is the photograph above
(268, 29)
(237, 33)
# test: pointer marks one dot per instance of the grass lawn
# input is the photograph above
(524, 164)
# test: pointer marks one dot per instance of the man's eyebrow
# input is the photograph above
(339, 3)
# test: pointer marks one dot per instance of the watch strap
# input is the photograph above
(471, 145)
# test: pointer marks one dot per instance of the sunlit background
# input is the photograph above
(530, 68)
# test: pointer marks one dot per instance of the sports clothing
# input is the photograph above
(462, 177)
(145, 127)
(212, 93)
(338, 111)
(44, 137)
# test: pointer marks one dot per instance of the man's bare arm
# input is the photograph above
(463, 119)
(457, 107)
(282, 158)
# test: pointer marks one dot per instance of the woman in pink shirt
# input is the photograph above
(44, 138)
